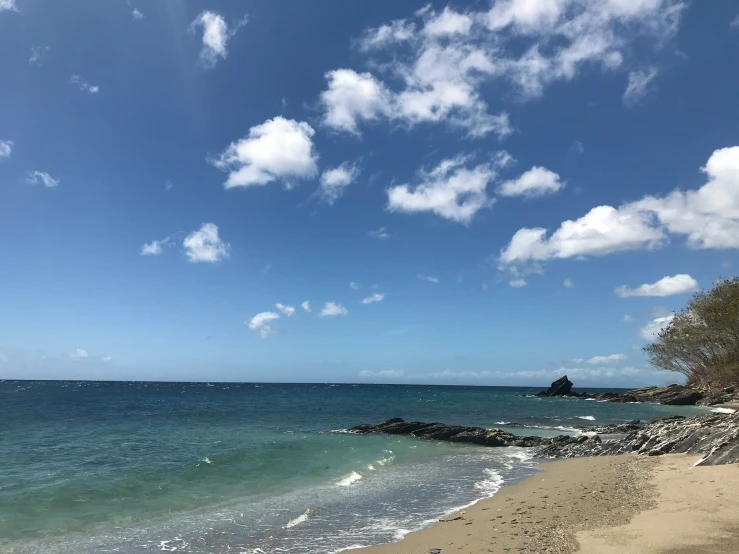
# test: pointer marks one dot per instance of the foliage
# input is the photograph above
(702, 342)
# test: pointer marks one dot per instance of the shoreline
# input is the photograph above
(605, 504)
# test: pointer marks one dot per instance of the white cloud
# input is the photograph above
(383, 373)
(278, 149)
(106, 358)
(3, 357)
(204, 245)
(627, 318)
(376, 297)
(639, 85)
(429, 278)
(577, 373)
(8, 5)
(289, 311)
(448, 22)
(435, 64)
(380, 233)
(651, 330)
(260, 323)
(37, 54)
(600, 359)
(168, 185)
(354, 285)
(397, 31)
(79, 353)
(734, 23)
(332, 309)
(450, 190)
(708, 216)
(667, 286)
(83, 85)
(306, 306)
(41, 178)
(6, 148)
(334, 181)
(215, 36)
(353, 97)
(137, 15)
(448, 374)
(154, 248)
(537, 181)
(568, 284)
(517, 283)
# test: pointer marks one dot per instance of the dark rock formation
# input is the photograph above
(675, 395)
(451, 433)
(714, 436)
(560, 387)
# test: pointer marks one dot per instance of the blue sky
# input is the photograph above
(472, 193)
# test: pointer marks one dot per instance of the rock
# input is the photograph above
(560, 387)
(675, 395)
(450, 433)
(714, 436)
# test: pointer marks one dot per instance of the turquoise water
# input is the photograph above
(197, 467)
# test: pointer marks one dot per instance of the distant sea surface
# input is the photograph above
(92, 467)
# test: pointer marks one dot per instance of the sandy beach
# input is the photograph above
(600, 505)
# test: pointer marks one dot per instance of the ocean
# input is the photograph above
(91, 467)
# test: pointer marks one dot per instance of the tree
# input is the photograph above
(702, 342)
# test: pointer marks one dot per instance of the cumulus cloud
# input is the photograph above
(451, 190)
(278, 149)
(380, 233)
(83, 85)
(568, 284)
(601, 231)
(608, 372)
(708, 217)
(289, 311)
(352, 97)
(376, 297)
(79, 354)
(106, 358)
(6, 148)
(41, 178)
(154, 248)
(306, 306)
(517, 283)
(537, 181)
(354, 285)
(639, 85)
(651, 330)
(260, 323)
(667, 286)
(216, 35)
(429, 278)
(334, 181)
(204, 245)
(137, 15)
(332, 309)
(433, 65)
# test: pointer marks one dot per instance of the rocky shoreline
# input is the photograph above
(714, 436)
(674, 395)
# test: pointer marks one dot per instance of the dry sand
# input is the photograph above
(604, 505)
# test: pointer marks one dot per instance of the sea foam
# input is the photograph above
(349, 480)
(300, 519)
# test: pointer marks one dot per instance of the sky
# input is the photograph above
(382, 192)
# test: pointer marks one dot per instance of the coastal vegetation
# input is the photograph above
(702, 341)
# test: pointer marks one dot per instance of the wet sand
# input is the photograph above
(602, 505)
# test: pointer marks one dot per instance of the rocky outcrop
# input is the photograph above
(714, 436)
(451, 433)
(675, 395)
(560, 387)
